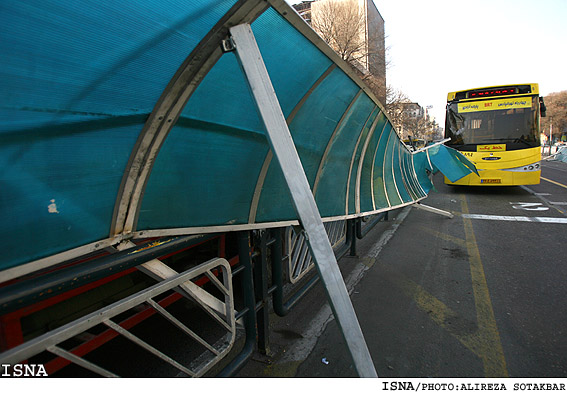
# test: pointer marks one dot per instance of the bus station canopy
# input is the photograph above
(133, 119)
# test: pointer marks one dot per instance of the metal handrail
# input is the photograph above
(52, 339)
(249, 317)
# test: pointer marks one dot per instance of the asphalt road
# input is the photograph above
(478, 295)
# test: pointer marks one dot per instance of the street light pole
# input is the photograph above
(550, 133)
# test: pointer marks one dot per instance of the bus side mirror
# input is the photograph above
(542, 108)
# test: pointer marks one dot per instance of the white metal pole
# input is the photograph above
(284, 150)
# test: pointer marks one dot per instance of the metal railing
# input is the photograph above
(214, 269)
(264, 257)
(300, 261)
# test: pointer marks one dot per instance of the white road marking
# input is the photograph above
(516, 218)
(529, 206)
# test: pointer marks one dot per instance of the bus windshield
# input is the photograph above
(468, 124)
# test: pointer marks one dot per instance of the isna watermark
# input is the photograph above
(23, 370)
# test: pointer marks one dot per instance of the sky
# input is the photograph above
(439, 46)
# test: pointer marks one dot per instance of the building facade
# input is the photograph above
(304, 9)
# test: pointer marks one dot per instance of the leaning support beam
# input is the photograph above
(434, 210)
(284, 150)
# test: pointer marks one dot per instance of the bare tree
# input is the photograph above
(343, 25)
(376, 83)
(556, 104)
(395, 106)
(407, 122)
(425, 128)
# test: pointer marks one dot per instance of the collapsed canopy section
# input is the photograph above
(127, 117)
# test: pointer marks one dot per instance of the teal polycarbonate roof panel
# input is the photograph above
(198, 165)
(294, 63)
(335, 169)
(222, 98)
(409, 177)
(453, 164)
(106, 58)
(218, 143)
(421, 161)
(50, 177)
(123, 119)
(389, 168)
(311, 130)
(78, 82)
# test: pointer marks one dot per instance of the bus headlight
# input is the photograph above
(527, 168)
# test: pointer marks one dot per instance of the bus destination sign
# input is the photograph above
(493, 105)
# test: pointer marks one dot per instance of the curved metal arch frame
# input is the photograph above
(372, 167)
(384, 170)
(411, 182)
(423, 192)
(355, 149)
(410, 171)
(418, 189)
(394, 174)
(167, 110)
(164, 115)
(361, 162)
(405, 181)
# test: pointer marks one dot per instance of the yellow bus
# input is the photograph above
(497, 128)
